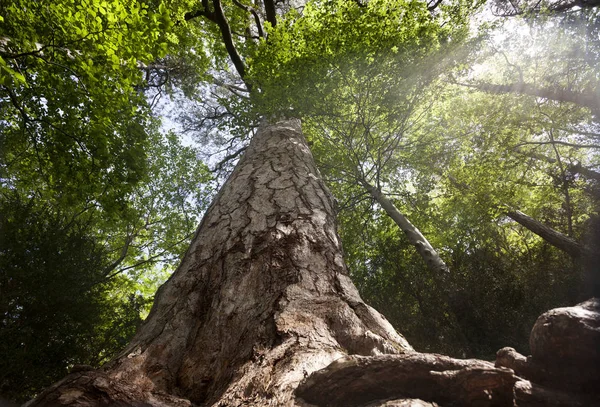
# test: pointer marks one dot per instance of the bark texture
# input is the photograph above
(261, 312)
(260, 300)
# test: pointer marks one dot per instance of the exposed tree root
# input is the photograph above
(358, 380)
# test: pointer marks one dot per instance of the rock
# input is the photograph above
(565, 345)
(568, 335)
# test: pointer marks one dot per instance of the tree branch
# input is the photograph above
(225, 29)
(572, 168)
(500, 7)
(227, 158)
(259, 27)
(555, 238)
(587, 99)
(433, 5)
(203, 12)
(270, 12)
(551, 236)
(415, 237)
(151, 259)
(121, 257)
(217, 16)
(555, 142)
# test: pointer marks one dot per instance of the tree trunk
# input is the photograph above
(551, 236)
(585, 98)
(555, 238)
(261, 312)
(415, 237)
(261, 299)
(440, 273)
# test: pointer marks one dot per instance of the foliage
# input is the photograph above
(56, 309)
(72, 116)
(323, 62)
(97, 204)
(83, 279)
(455, 175)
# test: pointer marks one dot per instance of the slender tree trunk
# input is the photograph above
(260, 300)
(440, 273)
(415, 237)
(588, 99)
(555, 238)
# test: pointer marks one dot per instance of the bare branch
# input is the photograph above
(228, 157)
(225, 29)
(431, 6)
(203, 12)
(576, 168)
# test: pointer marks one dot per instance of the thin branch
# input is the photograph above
(554, 142)
(259, 27)
(122, 256)
(151, 259)
(576, 168)
(432, 7)
(565, 185)
(229, 157)
(500, 9)
(230, 86)
(246, 36)
(579, 132)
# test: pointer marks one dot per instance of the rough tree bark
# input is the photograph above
(261, 312)
(261, 298)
